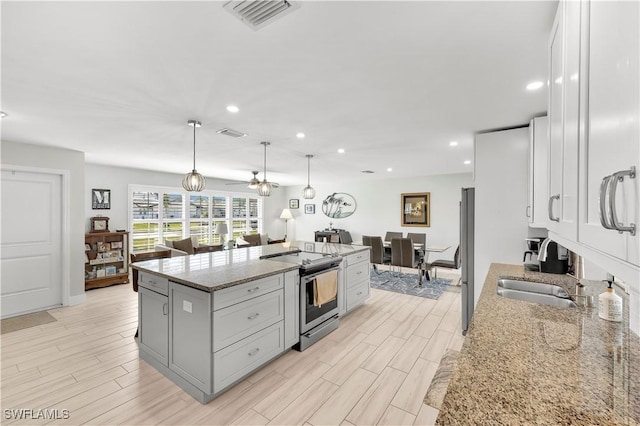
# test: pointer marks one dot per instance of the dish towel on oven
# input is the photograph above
(325, 288)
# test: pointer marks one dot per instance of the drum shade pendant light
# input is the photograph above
(264, 188)
(308, 192)
(194, 181)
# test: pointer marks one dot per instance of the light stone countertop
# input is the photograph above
(217, 270)
(528, 364)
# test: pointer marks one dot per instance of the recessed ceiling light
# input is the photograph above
(3, 114)
(341, 151)
(467, 162)
(232, 108)
(535, 85)
(453, 143)
(300, 135)
(389, 169)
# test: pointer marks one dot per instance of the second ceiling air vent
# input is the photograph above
(230, 132)
(258, 13)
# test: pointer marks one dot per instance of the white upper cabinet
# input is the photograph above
(538, 188)
(594, 133)
(610, 197)
(564, 101)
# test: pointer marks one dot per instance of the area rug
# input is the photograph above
(25, 321)
(440, 381)
(408, 284)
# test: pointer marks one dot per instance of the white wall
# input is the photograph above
(72, 161)
(117, 179)
(378, 208)
(501, 180)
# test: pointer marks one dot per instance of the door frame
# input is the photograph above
(65, 255)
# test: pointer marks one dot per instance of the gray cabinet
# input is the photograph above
(291, 308)
(190, 335)
(153, 320)
(356, 279)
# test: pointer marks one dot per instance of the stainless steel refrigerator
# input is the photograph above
(467, 213)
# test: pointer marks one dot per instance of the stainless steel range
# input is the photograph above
(317, 317)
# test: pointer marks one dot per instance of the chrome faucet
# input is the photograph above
(581, 299)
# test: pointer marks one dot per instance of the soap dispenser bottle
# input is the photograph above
(610, 305)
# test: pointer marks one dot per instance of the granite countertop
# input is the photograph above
(526, 363)
(217, 270)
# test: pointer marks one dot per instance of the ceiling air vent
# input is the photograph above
(368, 171)
(231, 132)
(258, 13)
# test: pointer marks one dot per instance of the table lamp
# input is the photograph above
(222, 230)
(286, 215)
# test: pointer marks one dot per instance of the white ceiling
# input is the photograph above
(390, 82)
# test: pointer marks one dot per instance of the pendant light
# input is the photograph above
(308, 192)
(264, 188)
(194, 181)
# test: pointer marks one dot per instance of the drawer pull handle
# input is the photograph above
(359, 293)
(165, 309)
(152, 282)
(254, 316)
(255, 351)
(251, 290)
(359, 272)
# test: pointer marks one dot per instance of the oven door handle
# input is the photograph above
(307, 278)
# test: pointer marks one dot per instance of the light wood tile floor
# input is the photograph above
(375, 369)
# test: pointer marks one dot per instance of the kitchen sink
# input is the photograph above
(545, 294)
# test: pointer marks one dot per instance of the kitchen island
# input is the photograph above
(526, 363)
(206, 321)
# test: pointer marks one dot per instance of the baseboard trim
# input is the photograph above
(77, 299)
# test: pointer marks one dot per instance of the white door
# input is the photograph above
(31, 277)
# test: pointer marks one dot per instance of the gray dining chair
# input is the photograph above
(442, 263)
(418, 238)
(403, 253)
(389, 235)
(377, 254)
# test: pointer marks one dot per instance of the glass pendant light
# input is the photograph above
(308, 192)
(194, 181)
(264, 188)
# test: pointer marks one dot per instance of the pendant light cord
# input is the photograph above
(308, 170)
(265, 161)
(194, 147)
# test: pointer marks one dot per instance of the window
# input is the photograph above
(184, 214)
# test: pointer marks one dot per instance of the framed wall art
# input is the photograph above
(294, 203)
(100, 199)
(415, 209)
(310, 208)
(339, 205)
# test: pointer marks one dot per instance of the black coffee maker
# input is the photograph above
(554, 263)
(533, 248)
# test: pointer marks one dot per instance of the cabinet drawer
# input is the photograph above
(241, 358)
(240, 293)
(358, 257)
(356, 273)
(238, 321)
(153, 282)
(357, 294)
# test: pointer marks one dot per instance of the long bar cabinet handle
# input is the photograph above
(604, 218)
(613, 186)
(553, 197)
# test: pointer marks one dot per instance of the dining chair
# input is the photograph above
(442, 263)
(418, 238)
(389, 235)
(377, 255)
(345, 237)
(403, 253)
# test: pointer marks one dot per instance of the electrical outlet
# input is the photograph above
(187, 306)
